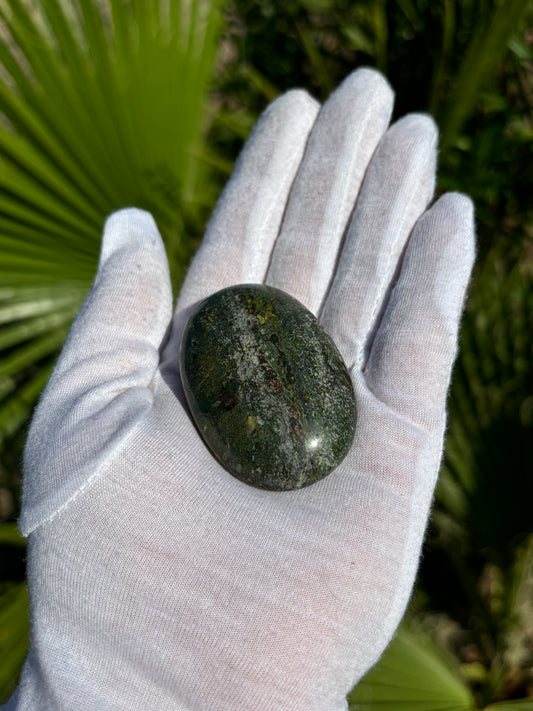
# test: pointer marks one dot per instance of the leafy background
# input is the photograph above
(108, 103)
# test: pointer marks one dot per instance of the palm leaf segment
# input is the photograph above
(101, 106)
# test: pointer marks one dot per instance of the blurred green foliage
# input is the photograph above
(467, 642)
(468, 62)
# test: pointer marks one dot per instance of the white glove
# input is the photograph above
(158, 581)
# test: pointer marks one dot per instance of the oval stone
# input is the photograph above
(267, 387)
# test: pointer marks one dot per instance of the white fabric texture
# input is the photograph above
(157, 580)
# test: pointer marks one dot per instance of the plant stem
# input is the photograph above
(483, 54)
(381, 34)
(448, 33)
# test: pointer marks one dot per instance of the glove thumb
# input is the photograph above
(100, 387)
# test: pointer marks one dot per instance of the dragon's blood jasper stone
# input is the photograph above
(267, 387)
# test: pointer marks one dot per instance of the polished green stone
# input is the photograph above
(267, 387)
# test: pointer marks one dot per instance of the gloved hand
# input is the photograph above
(158, 581)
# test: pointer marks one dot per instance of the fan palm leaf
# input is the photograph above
(413, 674)
(14, 627)
(102, 105)
(491, 410)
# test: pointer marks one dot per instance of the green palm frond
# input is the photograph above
(101, 107)
(414, 674)
(480, 571)
(14, 627)
(486, 480)
(519, 705)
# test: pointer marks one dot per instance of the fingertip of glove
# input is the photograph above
(296, 103)
(457, 204)
(129, 227)
(447, 228)
(455, 212)
(418, 126)
(367, 79)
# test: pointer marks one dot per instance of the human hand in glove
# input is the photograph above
(158, 581)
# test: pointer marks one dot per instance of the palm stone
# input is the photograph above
(267, 387)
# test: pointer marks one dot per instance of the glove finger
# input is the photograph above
(123, 321)
(100, 387)
(238, 242)
(414, 348)
(344, 137)
(396, 190)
